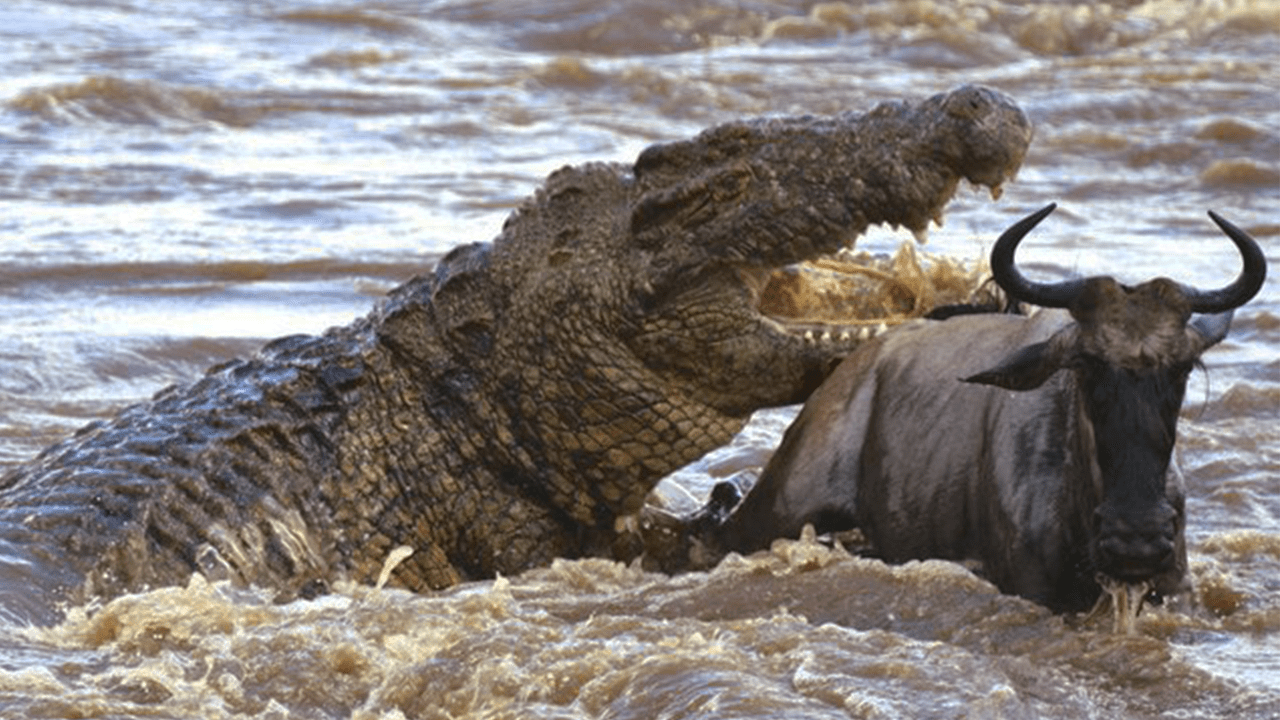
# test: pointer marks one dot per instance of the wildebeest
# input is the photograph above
(1050, 463)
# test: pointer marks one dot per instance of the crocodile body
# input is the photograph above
(519, 401)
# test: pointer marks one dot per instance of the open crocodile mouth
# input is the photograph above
(855, 294)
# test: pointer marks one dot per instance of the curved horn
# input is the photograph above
(1245, 286)
(1056, 295)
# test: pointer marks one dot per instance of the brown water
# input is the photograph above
(182, 180)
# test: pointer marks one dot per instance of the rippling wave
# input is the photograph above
(129, 101)
(113, 99)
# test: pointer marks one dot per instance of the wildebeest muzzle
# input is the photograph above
(1135, 544)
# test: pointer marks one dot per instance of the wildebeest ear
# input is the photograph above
(1023, 369)
(1211, 328)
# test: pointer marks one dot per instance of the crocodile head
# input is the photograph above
(719, 218)
(615, 323)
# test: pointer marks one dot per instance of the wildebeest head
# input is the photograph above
(1131, 350)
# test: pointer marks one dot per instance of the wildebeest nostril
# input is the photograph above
(1130, 554)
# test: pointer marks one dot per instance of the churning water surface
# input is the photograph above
(183, 180)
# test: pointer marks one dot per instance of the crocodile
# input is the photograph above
(518, 402)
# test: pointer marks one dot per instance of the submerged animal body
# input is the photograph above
(1050, 463)
(518, 403)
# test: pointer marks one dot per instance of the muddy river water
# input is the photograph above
(181, 181)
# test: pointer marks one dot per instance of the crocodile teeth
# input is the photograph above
(627, 523)
(866, 332)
